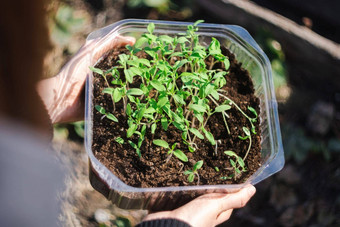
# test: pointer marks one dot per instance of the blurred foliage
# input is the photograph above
(298, 146)
(119, 222)
(122, 222)
(64, 24)
(182, 8)
(273, 50)
(73, 131)
(159, 4)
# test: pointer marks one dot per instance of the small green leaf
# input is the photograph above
(151, 28)
(209, 136)
(134, 91)
(219, 75)
(182, 39)
(214, 47)
(232, 163)
(188, 172)
(167, 110)
(226, 63)
(222, 108)
(111, 117)
(217, 169)
(191, 149)
(198, 22)
(161, 143)
(225, 178)
(157, 85)
(133, 145)
(176, 118)
(173, 146)
(199, 117)
(150, 110)
(139, 43)
(129, 75)
(139, 153)
(230, 153)
(136, 70)
(246, 131)
(145, 89)
(215, 95)
(191, 177)
(164, 122)
(243, 138)
(128, 109)
(141, 112)
(123, 58)
(129, 48)
(251, 109)
(96, 70)
(119, 140)
(144, 61)
(100, 109)
(197, 108)
(253, 130)
(165, 38)
(198, 165)
(151, 52)
(180, 155)
(179, 64)
(176, 54)
(196, 133)
(240, 161)
(117, 95)
(131, 130)
(179, 99)
(178, 125)
(140, 141)
(108, 90)
(162, 101)
(209, 89)
(153, 128)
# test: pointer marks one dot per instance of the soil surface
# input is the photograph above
(152, 170)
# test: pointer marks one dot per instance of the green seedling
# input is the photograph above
(110, 116)
(119, 140)
(193, 172)
(137, 149)
(171, 151)
(247, 136)
(238, 165)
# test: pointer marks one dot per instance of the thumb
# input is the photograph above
(235, 200)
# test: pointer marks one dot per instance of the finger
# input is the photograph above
(126, 40)
(236, 200)
(224, 216)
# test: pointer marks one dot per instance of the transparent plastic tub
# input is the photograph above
(245, 49)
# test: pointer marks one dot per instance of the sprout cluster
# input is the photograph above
(175, 86)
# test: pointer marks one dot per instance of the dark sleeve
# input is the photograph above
(163, 223)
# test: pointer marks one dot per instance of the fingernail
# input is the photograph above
(251, 190)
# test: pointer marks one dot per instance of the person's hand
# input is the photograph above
(207, 210)
(63, 94)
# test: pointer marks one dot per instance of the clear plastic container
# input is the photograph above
(245, 49)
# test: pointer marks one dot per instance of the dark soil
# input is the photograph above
(151, 170)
